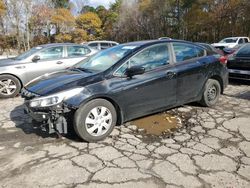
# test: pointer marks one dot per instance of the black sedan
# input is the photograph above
(123, 83)
(239, 63)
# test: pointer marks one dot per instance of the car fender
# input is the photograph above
(82, 99)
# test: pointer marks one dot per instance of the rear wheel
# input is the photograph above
(9, 86)
(211, 93)
(95, 120)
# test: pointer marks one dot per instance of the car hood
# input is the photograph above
(7, 62)
(59, 81)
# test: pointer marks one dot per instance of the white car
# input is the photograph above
(101, 44)
(231, 42)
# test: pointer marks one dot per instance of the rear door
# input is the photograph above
(151, 91)
(191, 67)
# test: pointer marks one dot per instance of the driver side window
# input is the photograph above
(149, 58)
(51, 53)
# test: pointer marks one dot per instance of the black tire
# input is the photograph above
(84, 112)
(211, 93)
(13, 92)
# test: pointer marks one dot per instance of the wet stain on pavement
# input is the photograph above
(158, 124)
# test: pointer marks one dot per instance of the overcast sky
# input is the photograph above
(105, 3)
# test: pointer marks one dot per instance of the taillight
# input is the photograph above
(223, 60)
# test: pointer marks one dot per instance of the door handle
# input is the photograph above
(59, 62)
(170, 74)
(20, 67)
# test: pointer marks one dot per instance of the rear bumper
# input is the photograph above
(239, 74)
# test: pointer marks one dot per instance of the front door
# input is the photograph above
(152, 91)
(51, 59)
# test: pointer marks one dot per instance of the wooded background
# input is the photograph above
(27, 23)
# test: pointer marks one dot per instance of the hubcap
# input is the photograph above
(98, 121)
(212, 93)
(7, 87)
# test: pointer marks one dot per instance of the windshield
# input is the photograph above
(28, 53)
(229, 40)
(105, 59)
(244, 51)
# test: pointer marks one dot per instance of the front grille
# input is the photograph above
(27, 94)
(239, 76)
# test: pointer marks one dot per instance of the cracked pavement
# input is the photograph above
(211, 149)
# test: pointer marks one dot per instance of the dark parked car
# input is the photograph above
(239, 63)
(47, 58)
(123, 83)
(211, 48)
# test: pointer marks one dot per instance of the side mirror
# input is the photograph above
(135, 70)
(36, 58)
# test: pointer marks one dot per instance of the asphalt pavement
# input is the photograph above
(211, 148)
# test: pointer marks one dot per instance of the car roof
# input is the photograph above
(234, 37)
(98, 41)
(150, 42)
(57, 44)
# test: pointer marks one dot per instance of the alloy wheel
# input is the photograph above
(7, 87)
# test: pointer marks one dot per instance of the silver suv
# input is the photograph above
(18, 71)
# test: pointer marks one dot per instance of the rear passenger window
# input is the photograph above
(77, 51)
(105, 45)
(185, 52)
(246, 40)
(93, 45)
(241, 41)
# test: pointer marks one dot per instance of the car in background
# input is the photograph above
(123, 83)
(231, 42)
(211, 48)
(18, 71)
(164, 38)
(101, 45)
(228, 51)
(239, 63)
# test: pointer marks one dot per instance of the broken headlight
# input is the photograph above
(54, 99)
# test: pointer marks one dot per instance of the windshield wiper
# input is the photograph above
(82, 69)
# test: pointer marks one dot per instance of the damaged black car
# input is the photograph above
(125, 82)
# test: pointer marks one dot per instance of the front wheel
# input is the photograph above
(95, 120)
(9, 86)
(211, 93)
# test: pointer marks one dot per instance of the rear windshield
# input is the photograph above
(244, 51)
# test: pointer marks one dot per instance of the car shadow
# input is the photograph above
(241, 95)
(24, 122)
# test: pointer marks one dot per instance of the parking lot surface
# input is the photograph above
(211, 149)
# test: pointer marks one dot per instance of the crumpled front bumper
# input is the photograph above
(51, 119)
(37, 116)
